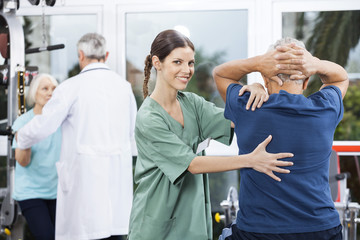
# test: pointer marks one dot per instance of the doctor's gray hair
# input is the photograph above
(93, 46)
(34, 85)
(282, 42)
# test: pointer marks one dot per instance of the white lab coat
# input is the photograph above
(96, 110)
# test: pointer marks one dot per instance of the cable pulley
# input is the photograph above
(45, 46)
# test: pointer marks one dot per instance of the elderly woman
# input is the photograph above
(35, 173)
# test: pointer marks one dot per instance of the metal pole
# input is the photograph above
(16, 62)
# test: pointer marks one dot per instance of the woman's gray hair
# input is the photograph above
(93, 46)
(282, 42)
(34, 85)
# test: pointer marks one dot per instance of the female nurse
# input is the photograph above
(172, 128)
(35, 173)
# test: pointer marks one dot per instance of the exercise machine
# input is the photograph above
(348, 210)
(14, 75)
(230, 207)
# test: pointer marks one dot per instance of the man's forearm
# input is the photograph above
(330, 72)
(231, 72)
(333, 74)
(236, 69)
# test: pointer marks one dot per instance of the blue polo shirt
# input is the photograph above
(305, 126)
(39, 178)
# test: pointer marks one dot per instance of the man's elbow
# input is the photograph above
(220, 82)
(344, 87)
(216, 75)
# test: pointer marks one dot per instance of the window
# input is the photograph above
(214, 44)
(331, 35)
(58, 29)
(304, 25)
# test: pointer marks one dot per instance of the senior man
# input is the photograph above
(300, 206)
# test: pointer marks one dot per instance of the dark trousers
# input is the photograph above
(330, 234)
(40, 217)
(113, 238)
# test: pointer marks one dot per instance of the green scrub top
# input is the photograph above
(170, 202)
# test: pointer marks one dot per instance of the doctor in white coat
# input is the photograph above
(96, 111)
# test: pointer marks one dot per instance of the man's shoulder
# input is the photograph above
(68, 81)
(329, 93)
(233, 87)
(328, 97)
(331, 89)
(232, 91)
(106, 74)
(116, 78)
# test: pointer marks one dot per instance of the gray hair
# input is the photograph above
(34, 85)
(93, 45)
(285, 41)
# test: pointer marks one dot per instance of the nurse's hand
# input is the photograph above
(268, 163)
(258, 95)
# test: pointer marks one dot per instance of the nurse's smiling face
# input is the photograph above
(177, 68)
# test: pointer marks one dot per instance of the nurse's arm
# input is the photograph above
(23, 156)
(260, 160)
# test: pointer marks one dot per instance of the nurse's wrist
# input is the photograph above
(245, 161)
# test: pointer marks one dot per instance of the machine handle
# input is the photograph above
(41, 49)
(218, 218)
(6, 231)
(342, 176)
(6, 132)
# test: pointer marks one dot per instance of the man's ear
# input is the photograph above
(106, 56)
(305, 83)
(156, 63)
(81, 55)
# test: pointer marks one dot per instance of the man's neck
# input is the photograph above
(290, 87)
(88, 61)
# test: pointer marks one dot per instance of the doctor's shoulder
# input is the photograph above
(70, 85)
